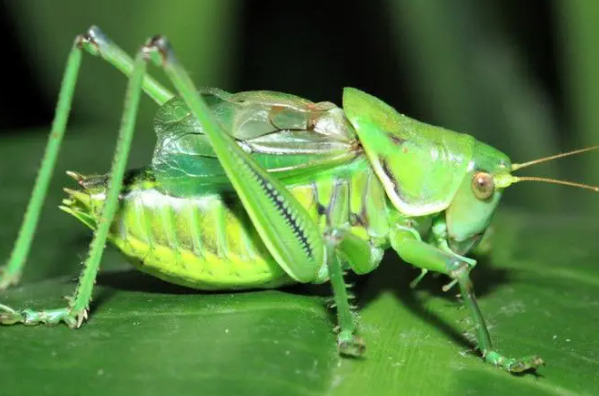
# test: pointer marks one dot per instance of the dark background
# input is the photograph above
(314, 60)
(520, 75)
(517, 75)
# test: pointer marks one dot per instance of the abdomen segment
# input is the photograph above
(202, 242)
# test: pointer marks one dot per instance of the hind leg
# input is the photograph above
(77, 310)
(95, 43)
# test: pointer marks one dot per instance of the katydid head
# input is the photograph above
(472, 207)
(490, 172)
(427, 170)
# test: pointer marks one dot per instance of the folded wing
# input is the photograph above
(288, 135)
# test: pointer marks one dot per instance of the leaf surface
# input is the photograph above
(539, 291)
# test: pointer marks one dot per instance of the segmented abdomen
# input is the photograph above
(208, 242)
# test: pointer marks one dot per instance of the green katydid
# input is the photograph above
(263, 189)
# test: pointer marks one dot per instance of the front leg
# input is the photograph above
(407, 243)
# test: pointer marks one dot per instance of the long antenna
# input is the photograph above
(553, 157)
(555, 181)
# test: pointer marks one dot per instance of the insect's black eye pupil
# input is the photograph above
(483, 185)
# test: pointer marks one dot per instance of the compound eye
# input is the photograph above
(483, 185)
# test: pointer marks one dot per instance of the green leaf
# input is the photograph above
(538, 290)
(150, 339)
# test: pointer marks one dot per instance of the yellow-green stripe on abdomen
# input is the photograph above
(199, 242)
(209, 243)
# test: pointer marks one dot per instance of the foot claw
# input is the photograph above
(9, 316)
(351, 345)
(529, 363)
